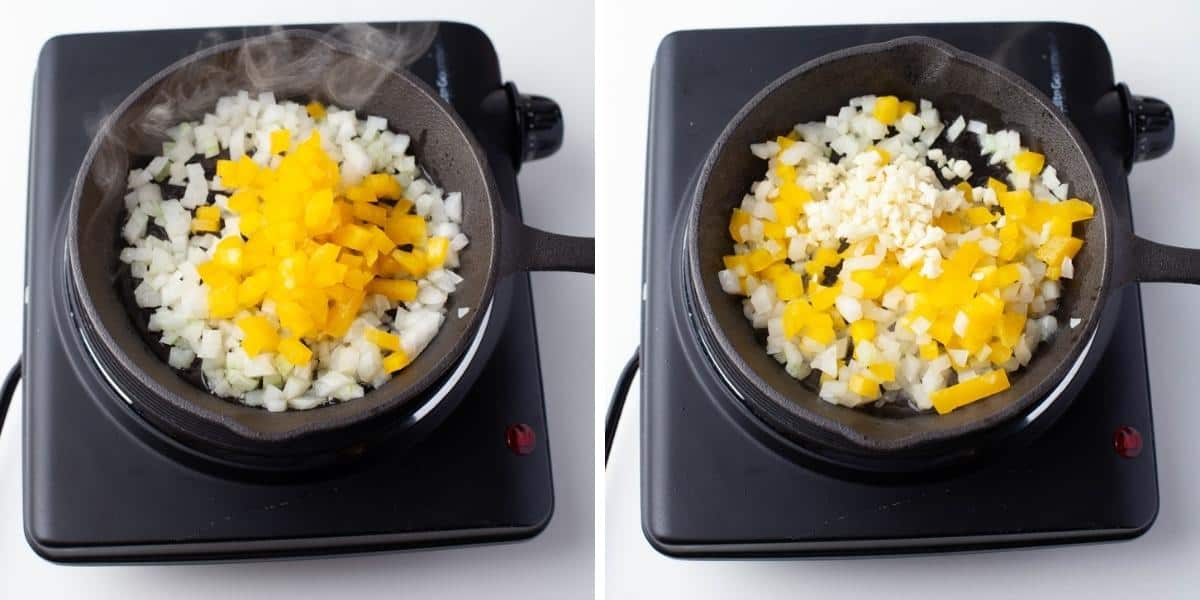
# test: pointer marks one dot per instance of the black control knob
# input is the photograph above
(539, 124)
(1151, 126)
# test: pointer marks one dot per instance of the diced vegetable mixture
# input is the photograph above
(293, 253)
(869, 259)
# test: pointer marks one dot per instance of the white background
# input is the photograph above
(1154, 50)
(557, 195)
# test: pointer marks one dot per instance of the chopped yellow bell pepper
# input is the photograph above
(371, 213)
(383, 339)
(962, 394)
(795, 317)
(357, 279)
(436, 252)
(414, 263)
(739, 220)
(325, 275)
(1057, 248)
(250, 223)
(360, 194)
(980, 215)
(823, 258)
(1074, 210)
(792, 194)
(259, 335)
(942, 328)
(353, 236)
(884, 372)
(1010, 328)
(864, 386)
(788, 284)
(281, 141)
(208, 213)
(405, 229)
(1000, 353)
(872, 283)
(1016, 204)
(228, 254)
(786, 173)
(205, 226)
(222, 302)
(775, 231)
(887, 109)
(819, 327)
(294, 318)
(295, 351)
(243, 201)
(380, 241)
(758, 260)
(1005, 276)
(253, 289)
(862, 330)
(384, 186)
(342, 314)
(396, 361)
(1028, 161)
(950, 223)
(786, 214)
(396, 290)
(823, 297)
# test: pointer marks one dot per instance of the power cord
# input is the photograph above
(617, 404)
(8, 390)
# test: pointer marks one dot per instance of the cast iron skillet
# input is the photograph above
(957, 83)
(301, 64)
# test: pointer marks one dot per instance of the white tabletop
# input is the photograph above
(1154, 50)
(556, 195)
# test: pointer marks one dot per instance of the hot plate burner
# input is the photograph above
(101, 486)
(718, 483)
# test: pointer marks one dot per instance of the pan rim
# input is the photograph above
(791, 411)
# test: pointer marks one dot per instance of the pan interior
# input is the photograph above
(957, 84)
(299, 65)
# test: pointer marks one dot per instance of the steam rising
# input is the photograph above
(341, 67)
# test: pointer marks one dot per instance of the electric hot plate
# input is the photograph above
(102, 485)
(717, 483)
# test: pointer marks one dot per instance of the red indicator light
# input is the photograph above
(1127, 441)
(520, 438)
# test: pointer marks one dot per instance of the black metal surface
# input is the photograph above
(102, 485)
(716, 482)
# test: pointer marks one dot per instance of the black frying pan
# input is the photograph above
(957, 83)
(304, 65)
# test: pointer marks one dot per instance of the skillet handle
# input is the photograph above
(1152, 261)
(526, 248)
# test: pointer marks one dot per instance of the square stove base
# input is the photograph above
(96, 492)
(711, 489)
